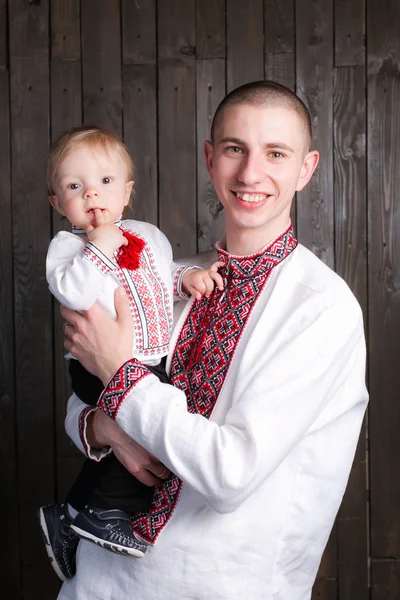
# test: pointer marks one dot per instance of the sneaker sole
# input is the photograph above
(49, 550)
(116, 548)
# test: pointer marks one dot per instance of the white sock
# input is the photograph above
(71, 511)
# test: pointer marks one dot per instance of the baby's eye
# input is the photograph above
(73, 186)
(106, 180)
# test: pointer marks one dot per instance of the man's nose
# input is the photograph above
(253, 169)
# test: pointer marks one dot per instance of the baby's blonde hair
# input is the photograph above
(91, 137)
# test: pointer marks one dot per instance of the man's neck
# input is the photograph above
(245, 242)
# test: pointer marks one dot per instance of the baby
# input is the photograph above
(90, 180)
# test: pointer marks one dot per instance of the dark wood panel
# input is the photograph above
(29, 31)
(66, 112)
(383, 151)
(140, 135)
(279, 43)
(66, 96)
(351, 264)
(385, 580)
(101, 64)
(10, 581)
(326, 587)
(139, 25)
(245, 42)
(314, 43)
(176, 121)
(176, 29)
(65, 29)
(3, 35)
(349, 32)
(279, 48)
(210, 29)
(210, 90)
(33, 320)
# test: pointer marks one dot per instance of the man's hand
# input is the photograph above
(99, 342)
(201, 282)
(103, 431)
(106, 236)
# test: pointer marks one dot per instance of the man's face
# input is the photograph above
(257, 162)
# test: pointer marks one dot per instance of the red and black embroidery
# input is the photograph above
(205, 349)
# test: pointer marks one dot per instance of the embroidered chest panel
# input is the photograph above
(206, 346)
(150, 303)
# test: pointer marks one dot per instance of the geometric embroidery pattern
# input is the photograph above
(206, 346)
(124, 380)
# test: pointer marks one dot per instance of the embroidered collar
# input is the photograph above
(254, 265)
(80, 231)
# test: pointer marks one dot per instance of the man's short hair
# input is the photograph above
(265, 93)
(92, 136)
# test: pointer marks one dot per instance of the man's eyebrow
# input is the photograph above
(268, 146)
(232, 140)
(280, 145)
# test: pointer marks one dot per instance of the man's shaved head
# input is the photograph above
(265, 94)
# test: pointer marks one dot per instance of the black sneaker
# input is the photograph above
(61, 542)
(111, 529)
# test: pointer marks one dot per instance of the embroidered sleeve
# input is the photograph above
(92, 453)
(178, 273)
(122, 383)
(75, 272)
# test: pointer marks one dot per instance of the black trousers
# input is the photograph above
(106, 484)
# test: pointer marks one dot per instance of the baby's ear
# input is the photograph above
(128, 191)
(54, 201)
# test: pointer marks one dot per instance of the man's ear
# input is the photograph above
(208, 153)
(54, 201)
(128, 191)
(310, 163)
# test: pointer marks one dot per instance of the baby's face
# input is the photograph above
(90, 178)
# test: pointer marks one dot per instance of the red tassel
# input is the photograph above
(129, 256)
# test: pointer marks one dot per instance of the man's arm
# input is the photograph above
(315, 378)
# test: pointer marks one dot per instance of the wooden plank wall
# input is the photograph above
(154, 72)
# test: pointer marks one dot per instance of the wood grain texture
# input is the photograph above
(385, 577)
(176, 30)
(210, 90)
(349, 32)
(140, 135)
(279, 43)
(65, 30)
(383, 151)
(28, 28)
(351, 264)
(66, 112)
(210, 29)
(10, 581)
(314, 43)
(326, 586)
(245, 42)
(101, 64)
(29, 89)
(176, 121)
(3, 35)
(139, 26)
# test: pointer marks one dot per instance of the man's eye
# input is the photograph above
(106, 179)
(235, 149)
(276, 154)
(74, 186)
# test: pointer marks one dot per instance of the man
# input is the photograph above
(260, 426)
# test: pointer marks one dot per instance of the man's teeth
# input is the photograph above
(251, 197)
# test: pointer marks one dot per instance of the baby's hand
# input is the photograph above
(201, 282)
(106, 236)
